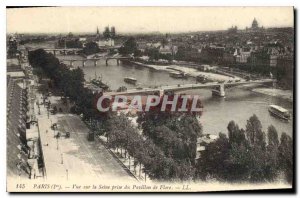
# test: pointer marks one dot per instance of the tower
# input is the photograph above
(254, 24)
(106, 32)
(97, 33)
(112, 32)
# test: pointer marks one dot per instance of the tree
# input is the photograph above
(75, 84)
(239, 154)
(181, 53)
(254, 133)
(286, 156)
(245, 156)
(272, 137)
(36, 58)
(257, 142)
(175, 133)
(70, 82)
(91, 48)
(70, 43)
(129, 47)
(12, 48)
(213, 160)
(235, 135)
(121, 134)
(272, 163)
(153, 53)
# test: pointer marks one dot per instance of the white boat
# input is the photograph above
(177, 75)
(130, 80)
(279, 112)
(217, 92)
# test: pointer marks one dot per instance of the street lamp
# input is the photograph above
(67, 174)
(62, 160)
(48, 112)
(57, 143)
(53, 130)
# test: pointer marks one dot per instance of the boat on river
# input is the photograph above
(279, 112)
(97, 81)
(202, 79)
(178, 75)
(130, 80)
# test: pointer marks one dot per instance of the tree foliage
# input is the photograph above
(285, 156)
(158, 164)
(70, 43)
(69, 82)
(91, 48)
(129, 47)
(246, 155)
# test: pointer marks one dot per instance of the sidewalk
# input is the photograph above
(75, 157)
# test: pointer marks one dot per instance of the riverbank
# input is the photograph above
(284, 94)
(192, 72)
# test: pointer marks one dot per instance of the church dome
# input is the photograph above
(254, 23)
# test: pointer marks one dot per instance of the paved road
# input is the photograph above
(75, 158)
(94, 158)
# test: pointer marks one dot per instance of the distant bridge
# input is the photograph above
(217, 88)
(60, 50)
(117, 58)
(65, 51)
(96, 59)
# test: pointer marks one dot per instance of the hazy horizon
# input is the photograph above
(143, 20)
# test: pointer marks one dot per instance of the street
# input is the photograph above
(75, 157)
(91, 153)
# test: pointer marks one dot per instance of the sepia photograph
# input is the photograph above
(150, 99)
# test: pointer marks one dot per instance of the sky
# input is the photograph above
(143, 19)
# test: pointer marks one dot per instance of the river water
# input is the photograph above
(239, 104)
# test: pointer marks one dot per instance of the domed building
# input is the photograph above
(254, 24)
(254, 27)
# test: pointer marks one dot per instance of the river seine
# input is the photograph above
(239, 104)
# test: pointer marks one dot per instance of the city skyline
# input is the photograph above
(150, 19)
